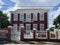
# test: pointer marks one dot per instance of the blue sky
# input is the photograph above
(7, 4)
(53, 6)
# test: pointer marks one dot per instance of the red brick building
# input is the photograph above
(30, 18)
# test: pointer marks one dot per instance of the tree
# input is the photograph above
(4, 22)
(56, 21)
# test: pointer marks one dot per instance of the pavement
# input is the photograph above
(28, 43)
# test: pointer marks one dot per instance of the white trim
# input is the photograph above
(28, 17)
(15, 17)
(21, 17)
(34, 17)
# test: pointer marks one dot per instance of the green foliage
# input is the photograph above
(4, 20)
(59, 27)
(56, 21)
(52, 29)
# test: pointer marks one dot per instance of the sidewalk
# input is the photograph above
(29, 42)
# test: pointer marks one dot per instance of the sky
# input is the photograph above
(52, 5)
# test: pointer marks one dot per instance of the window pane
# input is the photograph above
(28, 27)
(28, 18)
(34, 17)
(22, 17)
(15, 17)
(42, 27)
(42, 17)
(35, 26)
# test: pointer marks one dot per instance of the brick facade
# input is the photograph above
(38, 22)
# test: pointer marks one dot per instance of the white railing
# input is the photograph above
(52, 35)
(28, 34)
(41, 34)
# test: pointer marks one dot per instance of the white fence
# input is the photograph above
(41, 35)
(28, 34)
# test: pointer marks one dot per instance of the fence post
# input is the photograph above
(9, 33)
(57, 35)
(22, 33)
(34, 34)
(48, 34)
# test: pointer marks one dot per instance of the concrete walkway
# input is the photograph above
(29, 42)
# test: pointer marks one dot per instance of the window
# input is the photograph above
(15, 17)
(22, 17)
(28, 18)
(28, 27)
(34, 17)
(42, 27)
(41, 17)
(35, 26)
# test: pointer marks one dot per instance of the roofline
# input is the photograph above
(29, 9)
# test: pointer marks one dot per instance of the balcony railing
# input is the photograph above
(27, 20)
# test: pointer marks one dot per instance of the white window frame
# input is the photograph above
(35, 26)
(34, 17)
(21, 17)
(42, 27)
(28, 26)
(15, 17)
(28, 18)
(41, 16)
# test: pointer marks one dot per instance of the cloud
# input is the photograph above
(45, 4)
(42, 3)
(57, 12)
(8, 11)
(1, 3)
(53, 15)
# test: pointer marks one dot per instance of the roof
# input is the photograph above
(29, 9)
